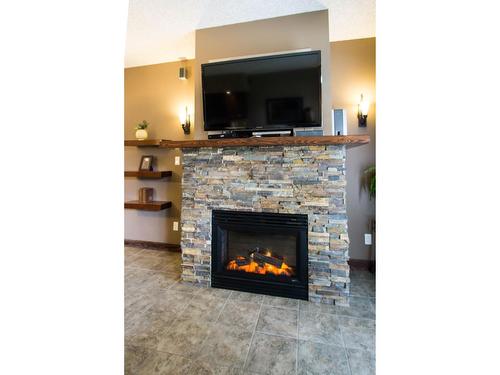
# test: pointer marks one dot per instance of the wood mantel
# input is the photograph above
(348, 140)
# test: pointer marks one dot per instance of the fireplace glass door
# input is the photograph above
(260, 252)
(269, 254)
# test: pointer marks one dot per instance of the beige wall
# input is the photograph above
(155, 94)
(353, 73)
(298, 31)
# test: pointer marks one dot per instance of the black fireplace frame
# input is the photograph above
(296, 287)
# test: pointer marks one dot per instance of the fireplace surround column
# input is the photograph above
(307, 180)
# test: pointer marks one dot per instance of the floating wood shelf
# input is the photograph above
(150, 206)
(348, 140)
(148, 174)
(144, 143)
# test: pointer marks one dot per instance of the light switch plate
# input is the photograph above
(176, 226)
(368, 239)
(177, 160)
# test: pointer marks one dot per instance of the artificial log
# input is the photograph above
(242, 261)
(258, 257)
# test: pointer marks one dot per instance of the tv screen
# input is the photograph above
(264, 93)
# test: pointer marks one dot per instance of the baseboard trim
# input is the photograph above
(153, 245)
(362, 264)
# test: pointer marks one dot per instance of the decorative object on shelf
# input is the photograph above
(146, 163)
(339, 119)
(141, 132)
(146, 194)
(308, 132)
(185, 120)
(363, 111)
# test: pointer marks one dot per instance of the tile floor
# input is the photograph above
(175, 328)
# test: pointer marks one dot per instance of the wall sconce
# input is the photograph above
(362, 111)
(183, 74)
(185, 120)
(183, 71)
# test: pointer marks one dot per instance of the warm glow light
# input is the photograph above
(183, 115)
(228, 92)
(254, 267)
(364, 104)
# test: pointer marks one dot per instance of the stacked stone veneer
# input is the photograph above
(281, 179)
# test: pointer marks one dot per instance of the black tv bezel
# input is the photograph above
(260, 58)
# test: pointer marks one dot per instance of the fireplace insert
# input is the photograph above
(260, 252)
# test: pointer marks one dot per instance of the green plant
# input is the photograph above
(142, 125)
(369, 180)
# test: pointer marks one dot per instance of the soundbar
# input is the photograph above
(231, 134)
(277, 133)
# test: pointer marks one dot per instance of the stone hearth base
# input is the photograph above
(282, 179)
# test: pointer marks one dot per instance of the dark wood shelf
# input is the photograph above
(148, 174)
(144, 143)
(347, 140)
(150, 206)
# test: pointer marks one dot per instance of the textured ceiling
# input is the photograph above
(163, 30)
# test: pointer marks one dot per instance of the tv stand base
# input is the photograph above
(249, 134)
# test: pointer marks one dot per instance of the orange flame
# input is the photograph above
(254, 267)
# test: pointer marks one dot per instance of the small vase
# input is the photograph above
(141, 134)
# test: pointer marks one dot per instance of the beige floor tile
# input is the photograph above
(319, 359)
(320, 328)
(238, 314)
(225, 346)
(273, 355)
(278, 321)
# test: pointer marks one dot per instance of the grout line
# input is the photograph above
(223, 307)
(345, 349)
(337, 314)
(208, 333)
(277, 335)
(135, 267)
(138, 253)
(227, 299)
(178, 315)
(283, 307)
(253, 333)
(286, 337)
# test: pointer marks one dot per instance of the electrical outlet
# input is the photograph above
(177, 160)
(368, 239)
(176, 226)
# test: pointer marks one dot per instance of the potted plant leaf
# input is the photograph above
(370, 185)
(369, 180)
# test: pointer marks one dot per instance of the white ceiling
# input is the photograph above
(163, 30)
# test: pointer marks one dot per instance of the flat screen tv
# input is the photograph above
(277, 92)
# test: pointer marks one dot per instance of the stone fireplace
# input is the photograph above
(306, 181)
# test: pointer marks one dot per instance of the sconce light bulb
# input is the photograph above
(363, 106)
(185, 120)
(182, 116)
